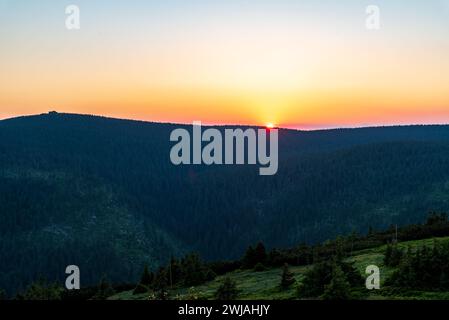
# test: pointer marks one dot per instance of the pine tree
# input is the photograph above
(387, 256)
(160, 284)
(248, 260)
(393, 255)
(147, 277)
(193, 270)
(254, 256)
(260, 254)
(338, 288)
(146, 282)
(175, 271)
(444, 281)
(339, 248)
(227, 290)
(287, 278)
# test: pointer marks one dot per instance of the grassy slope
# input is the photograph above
(265, 285)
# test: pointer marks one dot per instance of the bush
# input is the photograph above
(104, 291)
(227, 290)
(287, 278)
(259, 267)
(141, 289)
(393, 255)
(320, 276)
(194, 294)
(40, 290)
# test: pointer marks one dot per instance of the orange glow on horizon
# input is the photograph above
(292, 67)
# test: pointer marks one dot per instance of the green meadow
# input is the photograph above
(265, 285)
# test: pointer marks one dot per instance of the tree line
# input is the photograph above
(330, 277)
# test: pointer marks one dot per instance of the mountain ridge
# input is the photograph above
(105, 117)
(58, 171)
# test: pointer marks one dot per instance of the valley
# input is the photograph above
(103, 194)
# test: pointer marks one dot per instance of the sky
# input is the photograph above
(296, 63)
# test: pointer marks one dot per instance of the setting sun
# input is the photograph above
(287, 61)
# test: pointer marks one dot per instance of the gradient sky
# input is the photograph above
(296, 63)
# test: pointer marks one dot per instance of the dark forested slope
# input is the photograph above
(102, 193)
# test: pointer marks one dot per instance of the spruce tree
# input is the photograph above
(248, 260)
(287, 278)
(254, 256)
(146, 281)
(260, 254)
(193, 269)
(147, 277)
(393, 255)
(175, 272)
(387, 257)
(338, 288)
(161, 283)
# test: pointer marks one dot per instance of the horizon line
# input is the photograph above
(282, 127)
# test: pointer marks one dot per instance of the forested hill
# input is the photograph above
(102, 194)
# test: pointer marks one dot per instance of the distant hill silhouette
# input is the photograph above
(102, 193)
